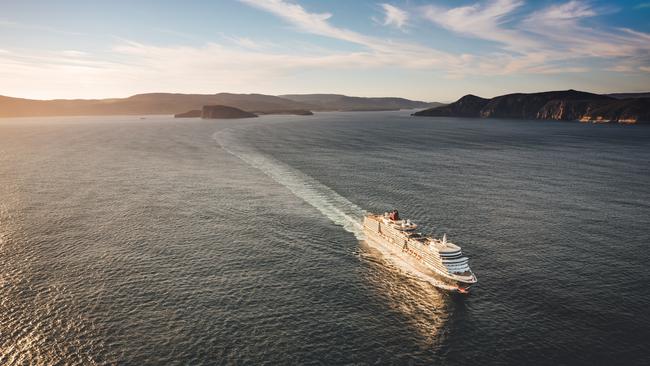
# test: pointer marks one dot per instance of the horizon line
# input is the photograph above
(345, 95)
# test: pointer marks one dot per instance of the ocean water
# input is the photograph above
(159, 241)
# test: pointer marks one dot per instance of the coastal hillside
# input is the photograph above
(152, 103)
(338, 102)
(172, 103)
(467, 106)
(568, 105)
(629, 95)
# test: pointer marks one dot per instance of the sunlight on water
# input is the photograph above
(406, 289)
(335, 207)
(4, 218)
(144, 242)
(425, 307)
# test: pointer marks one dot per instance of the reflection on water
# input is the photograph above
(128, 241)
(415, 298)
(4, 224)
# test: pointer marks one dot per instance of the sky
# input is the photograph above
(425, 50)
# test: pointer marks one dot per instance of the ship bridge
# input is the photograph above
(452, 256)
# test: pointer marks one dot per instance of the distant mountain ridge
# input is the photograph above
(174, 103)
(339, 102)
(629, 95)
(563, 105)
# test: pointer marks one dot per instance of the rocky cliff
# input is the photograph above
(569, 105)
(627, 111)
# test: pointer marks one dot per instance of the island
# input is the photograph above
(296, 112)
(224, 112)
(566, 105)
(198, 113)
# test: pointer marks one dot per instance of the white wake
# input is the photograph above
(334, 206)
(331, 204)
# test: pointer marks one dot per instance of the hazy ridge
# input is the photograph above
(172, 103)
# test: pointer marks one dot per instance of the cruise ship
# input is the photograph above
(436, 258)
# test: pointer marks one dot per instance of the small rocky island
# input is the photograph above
(567, 105)
(224, 111)
(216, 111)
(295, 112)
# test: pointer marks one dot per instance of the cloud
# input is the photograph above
(563, 32)
(642, 6)
(550, 40)
(133, 67)
(572, 10)
(394, 16)
(315, 23)
(553, 35)
(401, 53)
(482, 21)
(244, 42)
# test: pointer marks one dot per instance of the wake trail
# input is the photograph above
(331, 204)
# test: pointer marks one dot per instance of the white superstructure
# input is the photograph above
(439, 256)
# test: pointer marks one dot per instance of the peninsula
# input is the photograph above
(567, 105)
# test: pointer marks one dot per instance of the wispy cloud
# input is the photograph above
(315, 23)
(381, 50)
(562, 29)
(394, 16)
(50, 73)
(642, 6)
(554, 34)
(483, 21)
(550, 40)
(248, 43)
(131, 67)
(572, 10)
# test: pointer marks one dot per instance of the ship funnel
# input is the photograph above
(444, 239)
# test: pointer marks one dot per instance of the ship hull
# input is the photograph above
(414, 265)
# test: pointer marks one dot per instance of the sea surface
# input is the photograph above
(162, 241)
